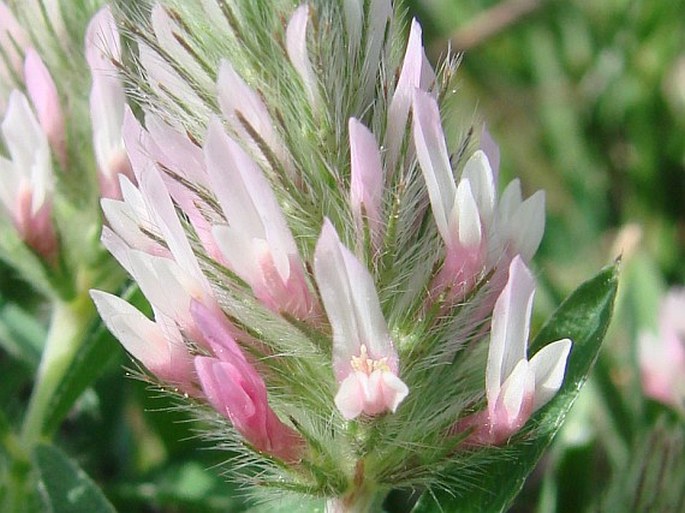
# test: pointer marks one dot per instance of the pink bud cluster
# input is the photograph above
(34, 129)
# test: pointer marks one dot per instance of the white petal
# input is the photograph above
(163, 213)
(236, 97)
(431, 151)
(510, 326)
(351, 397)
(139, 335)
(394, 390)
(515, 390)
(527, 225)
(166, 32)
(479, 174)
(168, 85)
(103, 42)
(239, 252)
(28, 147)
(351, 303)
(467, 222)
(296, 46)
(549, 366)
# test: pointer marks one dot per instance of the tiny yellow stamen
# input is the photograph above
(363, 363)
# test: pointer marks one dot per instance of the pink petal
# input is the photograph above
(366, 188)
(45, 98)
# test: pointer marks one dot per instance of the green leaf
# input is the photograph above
(67, 487)
(583, 317)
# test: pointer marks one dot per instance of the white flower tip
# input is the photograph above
(549, 367)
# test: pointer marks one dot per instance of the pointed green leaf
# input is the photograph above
(67, 488)
(583, 317)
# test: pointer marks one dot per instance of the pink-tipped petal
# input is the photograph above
(45, 98)
(431, 151)
(416, 72)
(366, 188)
(296, 46)
(159, 347)
(510, 326)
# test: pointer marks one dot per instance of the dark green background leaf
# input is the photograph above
(67, 487)
(583, 317)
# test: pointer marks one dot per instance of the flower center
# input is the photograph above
(363, 363)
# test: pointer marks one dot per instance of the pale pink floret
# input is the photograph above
(257, 241)
(479, 233)
(237, 391)
(107, 102)
(366, 182)
(364, 359)
(158, 345)
(515, 386)
(27, 182)
(43, 93)
(461, 211)
(662, 356)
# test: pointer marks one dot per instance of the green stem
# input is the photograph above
(68, 328)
